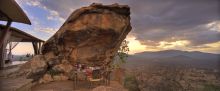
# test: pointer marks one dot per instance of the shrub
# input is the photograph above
(130, 82)
(53, 72)
(210, 87)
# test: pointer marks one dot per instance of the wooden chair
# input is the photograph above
(101, 76)
(96, 77)
(107, 76)
(74, 78)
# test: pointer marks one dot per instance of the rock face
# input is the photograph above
(91, 35)
(35, 68)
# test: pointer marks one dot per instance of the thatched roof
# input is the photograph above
(19, 34)
(10, 10)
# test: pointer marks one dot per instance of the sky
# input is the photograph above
(188, 25)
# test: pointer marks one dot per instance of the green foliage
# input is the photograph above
(28, 55)
(210, 87)
(21, 59)
(53, 72)
(130, 82)
(122, 54)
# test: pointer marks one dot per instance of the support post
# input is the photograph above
(9, 53)
(35, 48)
(39, 49)
(2, 57)
(3, 43)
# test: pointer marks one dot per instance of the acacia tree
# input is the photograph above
(122, 54)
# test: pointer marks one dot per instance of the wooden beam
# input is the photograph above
(20, 34)
(39, 49)
(5, 33)
(35, 46)
(2, 58)
(3, 43)
(9, 53)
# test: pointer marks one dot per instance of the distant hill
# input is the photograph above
(20, 58)
(176, 58)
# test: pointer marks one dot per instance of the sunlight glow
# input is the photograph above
(171, 45)
(134, 45)
(210, 48)
(23, 49)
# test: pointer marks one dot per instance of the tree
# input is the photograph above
(122, 54)
(21, 59)
(27, 55)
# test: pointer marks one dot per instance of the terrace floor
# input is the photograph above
(68, 86)
(23, 84)
(13, 84)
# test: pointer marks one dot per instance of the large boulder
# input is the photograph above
(35, 68)
(91, 35)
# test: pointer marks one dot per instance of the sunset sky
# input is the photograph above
(189, 25)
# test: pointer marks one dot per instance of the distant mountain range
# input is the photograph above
(176, 58)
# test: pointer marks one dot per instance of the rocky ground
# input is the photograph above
(162, 78)
(68, 86)
(9, 83)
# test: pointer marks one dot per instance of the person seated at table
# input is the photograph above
(88, 72)
(83, 67)
(78, 66)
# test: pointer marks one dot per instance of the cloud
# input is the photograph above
(210, 48)
(156, 20)
(201, 35)
(134, 45)
(171, 45)
(156, 23)
(214, 26)
(48, 30)
(53, 14)
(38, 29)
